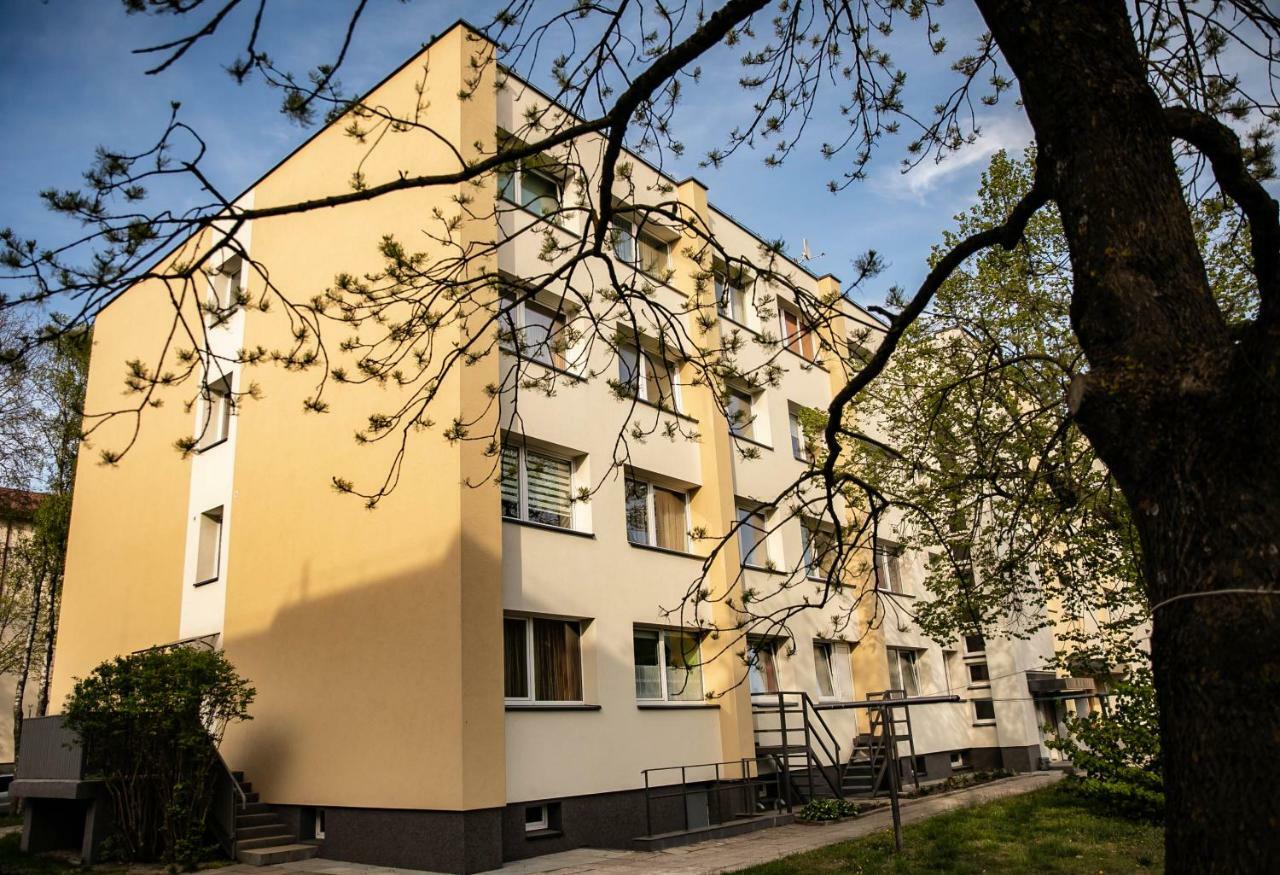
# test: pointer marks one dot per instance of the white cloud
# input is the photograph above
(1012, 132)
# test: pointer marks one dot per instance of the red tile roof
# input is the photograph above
(19, 504)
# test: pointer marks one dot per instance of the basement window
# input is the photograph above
(536, 818)
(319, 824)
(210, 546)
(959, 759)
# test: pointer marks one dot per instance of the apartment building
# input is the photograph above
(481, 669)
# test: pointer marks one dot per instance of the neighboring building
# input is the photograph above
(17, 515)
(479, 673)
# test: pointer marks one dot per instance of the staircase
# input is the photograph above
(874, 756)
(790, 730)
(261, 836)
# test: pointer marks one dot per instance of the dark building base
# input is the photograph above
(937, 766)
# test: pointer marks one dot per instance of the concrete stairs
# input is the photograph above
(262, 837)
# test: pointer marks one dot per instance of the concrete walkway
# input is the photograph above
(721, 855)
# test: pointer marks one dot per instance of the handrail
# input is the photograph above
(810, 719)
(230, 825)
(244, 800)
(780, 779)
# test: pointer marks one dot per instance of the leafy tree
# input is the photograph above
(150, 724)
(1135, 113)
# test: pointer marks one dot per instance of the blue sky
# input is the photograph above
(71, 84)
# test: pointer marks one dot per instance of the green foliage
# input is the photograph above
(150, 724)
(1119, 752)
(959, 782)
(827, 809)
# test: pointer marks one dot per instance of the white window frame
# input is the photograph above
(895, 662)
(544, 820)
(518, 321)
(807, 556)
(642, 376)
(886, 578)
(950, 658)
(983, 721)
(226, 282)
(754, 649)
(800, 448)
(968, 670)
(959, 760)
(763, 544)
(622, 225)
(725, 289)
(218, 408)
(662, 663)
(744, 428)
(517, 188)
(531, 672)
(964, 640)
(318, 829)
(216, 515)
(651, 524)
(522, 485)
(838, 664)
(803, 336)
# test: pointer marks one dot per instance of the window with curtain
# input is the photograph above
(648, 376)
(903, 674)
(819, 550)
(656, 516)
(889, 567)
(800, 445)
(668, 665)
(537, 192)
(637, 247)
(737, 410)
(534, 331)
(762, 669)
(536, 488)
(752, 533)
(543, 659)
(831, 665)
(795, 334)
(731, 298)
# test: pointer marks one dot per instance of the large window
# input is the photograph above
(731, 298)
(537, 488)
(535, 331)
(762, 666)
(667, 666)
(801, 447)
(903, 674)
(648, 376)
(543, 659)
(537, 192)
(753, 545)
(831, 664)
(738, 406)
(656, 516)
(795, 334)
(209, 547)
(216, 422)
(819, 550)
(639, 248)
(889, 567)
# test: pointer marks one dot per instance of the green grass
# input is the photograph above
(1049, 830)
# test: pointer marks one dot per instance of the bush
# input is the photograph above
(150, 725)
(1119, 752)
(827, 809)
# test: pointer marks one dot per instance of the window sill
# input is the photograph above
(200, 451)
(747, 566)
(682, 553)
(980, 686)
(810, 362)
(541, 218)
(905, 595)
(206, 582)
(733, 435)
(676, 413)
(556, 369)
(546, 528)
(677, 706)
(736, 324)
(551, 706)
(984, 723)
(543, 834)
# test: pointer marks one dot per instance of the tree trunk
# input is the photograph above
(51, 635)
(1186, 417)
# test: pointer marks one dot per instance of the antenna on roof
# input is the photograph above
(805, 254)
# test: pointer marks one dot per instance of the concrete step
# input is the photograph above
(269, 856)
(279, 836)
(266, 818)
(253, 808)
(250, 798)
(257, 832)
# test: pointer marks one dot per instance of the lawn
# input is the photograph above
(1050, 830)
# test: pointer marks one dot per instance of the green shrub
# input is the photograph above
(1119, 752)
(827, 809)
(150, 725)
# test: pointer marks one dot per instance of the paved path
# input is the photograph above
(721, 855)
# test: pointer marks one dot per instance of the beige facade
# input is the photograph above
(376, 638)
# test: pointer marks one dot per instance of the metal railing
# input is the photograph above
(225, 790)
(821, 749)
(721, 786)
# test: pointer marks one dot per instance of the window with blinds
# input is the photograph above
(536, 488)
(542, 659)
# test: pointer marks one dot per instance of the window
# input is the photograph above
(668, 667)
(737, 410)
(979, 676)
(974, 644)
(831, 664)
(889, 567)
(216, 426)
(797, 337)
(819, 550)
(534, 331)
(224, 285)
(543, 659)
(536, 488)
(902, 671)
(984, 711)
(638, 248)
(950, 667)
(210, 546)
(731, 298)
(762, 669)
(648, 376)
(801, 446)
(657, 516)
(752, 538)
(959, 759)
(318, 826)
(536, 818)
(535, 191)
